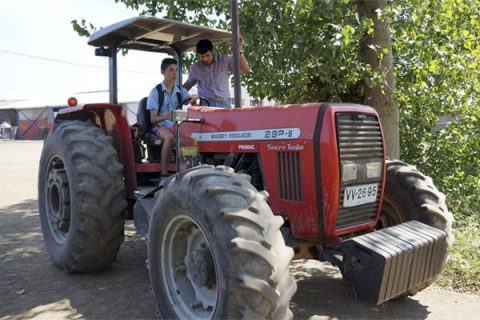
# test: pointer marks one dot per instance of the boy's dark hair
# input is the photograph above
(203, 46)
(166, 62)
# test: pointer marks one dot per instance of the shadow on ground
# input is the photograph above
(322, 294)
(31, 286)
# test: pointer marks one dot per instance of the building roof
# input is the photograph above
(6, 104)
(61, 101)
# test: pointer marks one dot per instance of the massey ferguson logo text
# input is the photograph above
(249, 135)
(232, 136)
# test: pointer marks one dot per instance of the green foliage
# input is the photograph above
(304, 51)
(299, 51)
(463, 270)
(82, 28)
(210, 13)
(437, 75)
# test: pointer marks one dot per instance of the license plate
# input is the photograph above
(357, 195)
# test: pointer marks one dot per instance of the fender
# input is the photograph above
(112, 119)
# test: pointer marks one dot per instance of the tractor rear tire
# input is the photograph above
(215, 250)
(81, 197)
(410, 195)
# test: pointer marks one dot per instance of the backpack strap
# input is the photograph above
(179, 96)
(161, 96)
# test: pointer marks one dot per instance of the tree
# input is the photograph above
(306, 50)
(333, 54)
(437, 52)
(376, 51)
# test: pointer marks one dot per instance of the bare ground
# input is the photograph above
(32, 288)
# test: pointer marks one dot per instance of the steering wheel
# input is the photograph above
(188, 100)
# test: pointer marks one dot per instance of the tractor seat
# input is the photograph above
(144, 125)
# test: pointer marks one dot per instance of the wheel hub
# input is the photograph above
(58, 198)
(201, 269)
(189, 264)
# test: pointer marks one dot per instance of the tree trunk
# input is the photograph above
(381, 96)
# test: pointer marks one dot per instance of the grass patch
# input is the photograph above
(463, 269)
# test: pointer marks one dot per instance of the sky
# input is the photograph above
(35, 32)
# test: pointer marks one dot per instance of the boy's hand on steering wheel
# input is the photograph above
(194, 98)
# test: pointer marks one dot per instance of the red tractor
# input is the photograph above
(254, 188)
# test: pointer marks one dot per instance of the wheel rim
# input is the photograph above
(390, 215)
(57, 200)
(190, 277)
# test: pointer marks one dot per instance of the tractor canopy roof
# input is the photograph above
(156, 35)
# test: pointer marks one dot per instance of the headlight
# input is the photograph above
(374, 169)
(349, 172)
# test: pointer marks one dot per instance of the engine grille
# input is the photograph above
(359, 141)
(290, 176)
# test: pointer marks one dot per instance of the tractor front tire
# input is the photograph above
(81, 197)
(410, 195)
(215, 250)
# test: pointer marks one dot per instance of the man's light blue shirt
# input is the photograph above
(169, 102)
(212, 80)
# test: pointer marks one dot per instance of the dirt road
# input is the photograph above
(32, 288)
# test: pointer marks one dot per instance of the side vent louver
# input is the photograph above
(290, 173)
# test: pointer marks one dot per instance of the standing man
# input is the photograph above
(211, 73)
(164, 98)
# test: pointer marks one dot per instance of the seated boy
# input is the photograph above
(173, 95)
